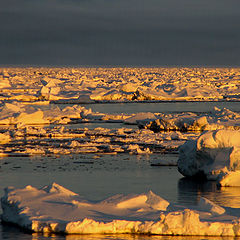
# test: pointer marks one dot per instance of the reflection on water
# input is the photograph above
(190, 191)
(12, 233)
(229, 197)
(144, 237)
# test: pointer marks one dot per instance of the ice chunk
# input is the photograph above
(50, 82)
(84, 98)
(229, 179)
(32, 118)
(4, 83)
(128, 87)
(135, 149)
(56, 188)
(5, 138)
(208, 206)
(211, 154)
(140, 117)
(156, 202)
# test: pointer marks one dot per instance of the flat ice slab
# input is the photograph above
(56, 209)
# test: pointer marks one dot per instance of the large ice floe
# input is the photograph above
(56, 209)
(214, 155)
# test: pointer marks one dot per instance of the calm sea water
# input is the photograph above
(162, 107)
(112, 174)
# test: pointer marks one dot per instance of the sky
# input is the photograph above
(120, 33)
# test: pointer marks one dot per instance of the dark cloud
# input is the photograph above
(120, 32)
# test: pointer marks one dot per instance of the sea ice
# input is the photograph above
(151, 137)
(142, 117)
(5, 138)
(18, 113)
(55, 209)
(217, 119)
(119, 84)
(135, 149)
(214, 155)
(208, 206)
(229, 179)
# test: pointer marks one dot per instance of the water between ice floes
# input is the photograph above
(97, 176)
(163, 107)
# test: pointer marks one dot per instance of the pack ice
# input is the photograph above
(85, 85)
(214, 155)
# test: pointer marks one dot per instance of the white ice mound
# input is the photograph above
(56, 209)
(212, 155)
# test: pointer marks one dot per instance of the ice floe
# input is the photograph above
(216, 119)
(19, 113)
(140, 118)
(55, 209)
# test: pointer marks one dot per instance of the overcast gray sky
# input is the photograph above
(120, 32)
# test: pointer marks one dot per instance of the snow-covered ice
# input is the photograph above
(119, 84)
(214, 155)
(56, 209)
(216, 119)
